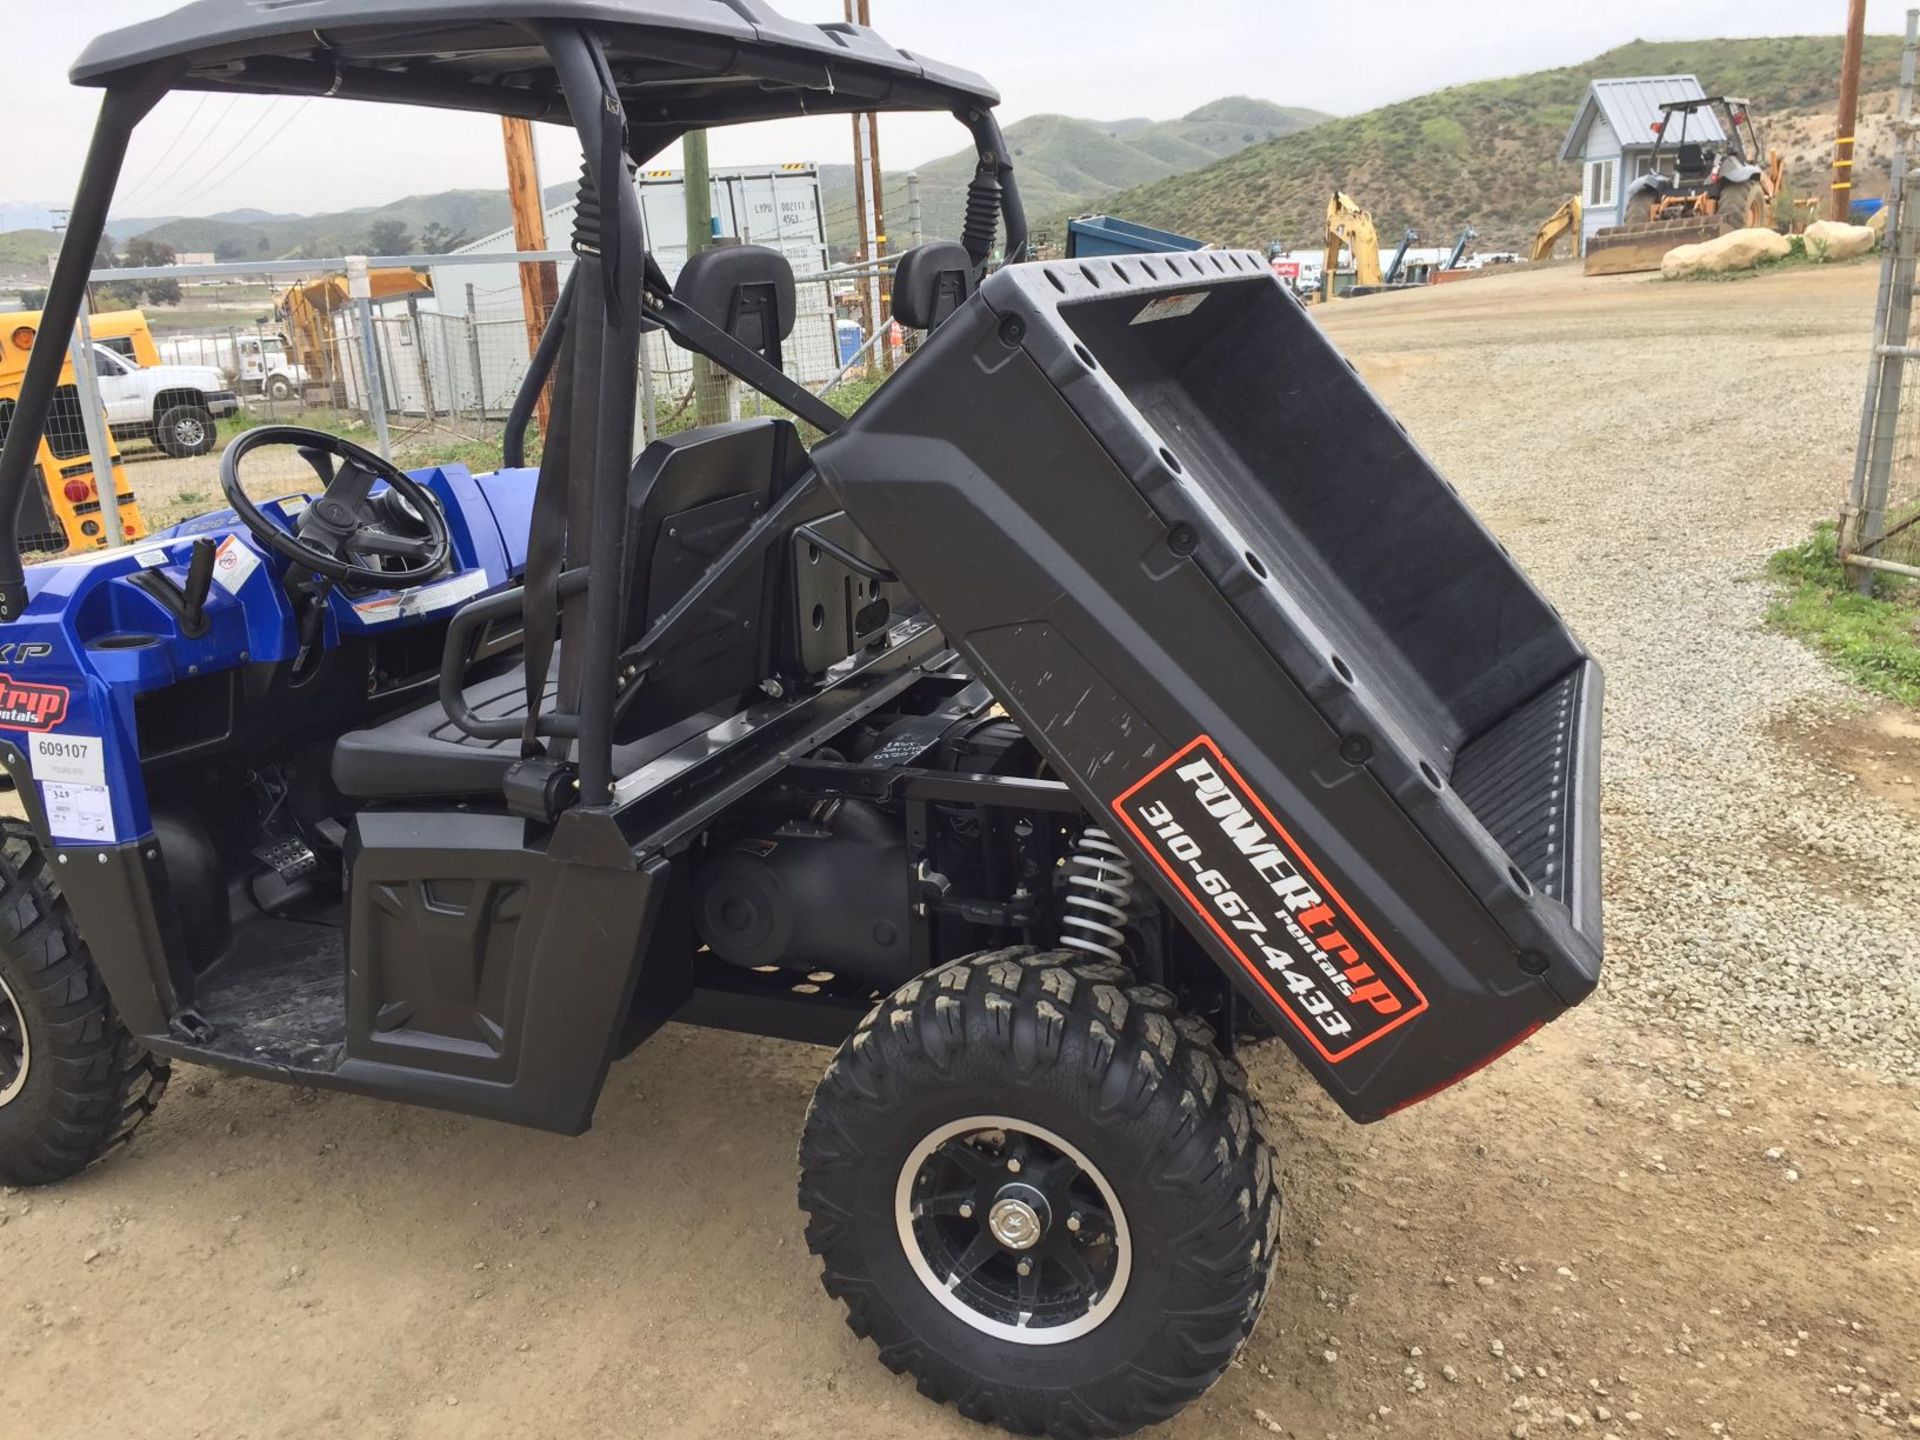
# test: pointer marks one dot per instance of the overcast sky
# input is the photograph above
(1097, 58)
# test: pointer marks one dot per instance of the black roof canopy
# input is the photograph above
(680, 64)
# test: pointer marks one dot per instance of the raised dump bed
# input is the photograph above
(1259, 633)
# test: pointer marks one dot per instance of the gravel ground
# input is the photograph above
(1748, 888)
(1663, 1217)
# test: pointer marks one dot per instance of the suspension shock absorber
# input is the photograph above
(1100, 897)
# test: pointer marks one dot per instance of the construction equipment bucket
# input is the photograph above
(1275, 655)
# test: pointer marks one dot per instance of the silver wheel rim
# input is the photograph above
(1066, 1311)
(16, 1046)
(189, 432)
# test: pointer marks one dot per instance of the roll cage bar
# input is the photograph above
(628, 89)
(1741, 133)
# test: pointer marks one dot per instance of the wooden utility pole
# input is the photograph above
(539, 281)
(862, 216)
(870, 207)
(1843, 146)
(709, 384)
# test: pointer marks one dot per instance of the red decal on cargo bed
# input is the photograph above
(31, 707)
(1248, 878)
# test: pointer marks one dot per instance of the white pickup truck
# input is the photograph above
(175, 406)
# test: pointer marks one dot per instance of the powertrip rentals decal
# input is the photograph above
(1243, 874)
(25, 706)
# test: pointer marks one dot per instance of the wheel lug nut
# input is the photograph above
(966, 1210)
(1073, 1223)
(1013, 1167)
(1026, 1267)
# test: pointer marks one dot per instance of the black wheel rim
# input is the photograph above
(1012, 1229)
(16, 1048)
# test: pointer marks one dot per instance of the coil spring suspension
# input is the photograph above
(1100, 882)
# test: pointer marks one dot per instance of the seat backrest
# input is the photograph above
(930, 283)
(1690, 159)
(747, 290)
(689, 497)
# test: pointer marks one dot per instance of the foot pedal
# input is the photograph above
(290, 866)
(291, 860)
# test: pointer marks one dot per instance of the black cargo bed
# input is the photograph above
(1256, 628)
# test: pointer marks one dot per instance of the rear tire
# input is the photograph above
(1012, 1073)
(74, 1084)
(185, 431)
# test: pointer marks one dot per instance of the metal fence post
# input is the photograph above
(360, 286)
(473, 355)
(266, 370)
(93, 416)
(1864, 523)
(446, 363)
(420, 359)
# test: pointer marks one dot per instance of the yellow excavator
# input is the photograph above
(307, 310)
(1563, 224)
(1350, 227)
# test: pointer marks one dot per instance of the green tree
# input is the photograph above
(437, 239)
(389, 237)
(143, 253)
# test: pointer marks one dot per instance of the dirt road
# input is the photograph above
(1687, 1210)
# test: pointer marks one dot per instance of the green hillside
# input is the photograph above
(1484, 154)
(23, 254)
(1068, 165)
(472, 213)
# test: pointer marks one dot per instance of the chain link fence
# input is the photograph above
(1880, 528)
(425, 371)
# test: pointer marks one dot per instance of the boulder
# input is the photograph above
(1737, 250)
(1834, 240)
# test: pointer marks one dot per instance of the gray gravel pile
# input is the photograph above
(1643, 479)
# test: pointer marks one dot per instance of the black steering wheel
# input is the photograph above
(345, 535)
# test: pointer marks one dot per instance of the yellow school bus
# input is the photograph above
(63, 512)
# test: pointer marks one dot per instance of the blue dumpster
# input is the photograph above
(1104, 235)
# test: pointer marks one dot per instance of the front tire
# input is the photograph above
(185, 431)
(74, 1084)
(1042, 1193)
(1734, 209)
(1639, 209)
(279, 387)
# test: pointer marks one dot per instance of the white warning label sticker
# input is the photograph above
(233, 564)
(1171, 307)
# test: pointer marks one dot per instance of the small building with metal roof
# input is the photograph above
(1613, 137)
